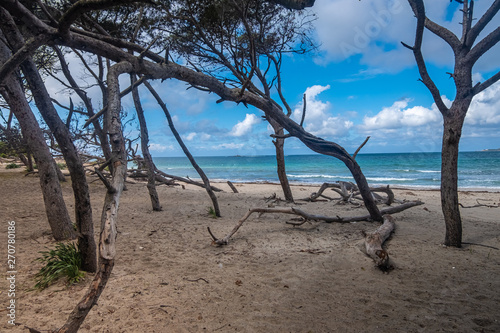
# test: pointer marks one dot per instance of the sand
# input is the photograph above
(271, 277)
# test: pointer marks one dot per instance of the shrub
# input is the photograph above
(12, 166)
(64, 261)
(61, 166)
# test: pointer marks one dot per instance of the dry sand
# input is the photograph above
(272, 277)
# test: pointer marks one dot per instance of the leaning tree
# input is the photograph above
(467, 50)
(242, 43)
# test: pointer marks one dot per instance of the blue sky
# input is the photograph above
(360, 82)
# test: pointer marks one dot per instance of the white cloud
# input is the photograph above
(190, 136)
(159, 147)
(485, 107)
(375, 28)
(318, 120)
(229, 146)
(244, 127)
(398, 115)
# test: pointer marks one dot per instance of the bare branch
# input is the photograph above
(419, 10)
(83, 6)
(481, 24)
(303, 111)
(359, 148)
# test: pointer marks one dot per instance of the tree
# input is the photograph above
(243, 44)
(83, 210)
(55, 208)
(467, 51)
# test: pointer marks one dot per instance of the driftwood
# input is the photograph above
(232, 187)
(480, 205)
(308, 217)
(187, 180)
(349, 191)
(374, 241)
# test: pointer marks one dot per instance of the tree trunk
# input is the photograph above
(55, 208)
(83, 209)
(279, 144)
(195, 165)
(449, 180)
(155, 201)
(107, 239)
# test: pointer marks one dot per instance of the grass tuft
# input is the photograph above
(64, 261)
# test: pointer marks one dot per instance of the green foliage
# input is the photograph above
(211, 212)
(61, 166)
(64, 261)
(12, 166)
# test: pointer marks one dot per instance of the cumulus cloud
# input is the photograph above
(374, 29)
(244, 127)
(485, 107)
(398, 115)
(319, 120)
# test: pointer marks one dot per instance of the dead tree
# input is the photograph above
(307, 217)
(186, 151)
(467, 51)
(148, 160)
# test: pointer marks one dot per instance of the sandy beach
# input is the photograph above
(271, 277)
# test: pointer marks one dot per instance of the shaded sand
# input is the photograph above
(272, 277)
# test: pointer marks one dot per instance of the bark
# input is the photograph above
(55, 207)
(375, 240)
(195, 165)
(109, 215)
(449, 181)
(83, 209)
(279, 144)
(153, 194)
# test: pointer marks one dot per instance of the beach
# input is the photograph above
(272, 276)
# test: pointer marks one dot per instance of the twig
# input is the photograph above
(488, 246)
(359, 148)
(196, 280)
(108, 185)
(480, 205)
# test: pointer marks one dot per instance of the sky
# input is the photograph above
(361, 82)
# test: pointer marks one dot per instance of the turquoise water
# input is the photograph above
(478, 170)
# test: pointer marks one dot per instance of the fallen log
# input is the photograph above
(233, 188)
(308, 217)
(186, 180)
(375, 240)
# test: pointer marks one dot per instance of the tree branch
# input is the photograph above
(481, 24)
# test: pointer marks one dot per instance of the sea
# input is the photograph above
(477, 170)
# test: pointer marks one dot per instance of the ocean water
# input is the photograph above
(477, 170)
